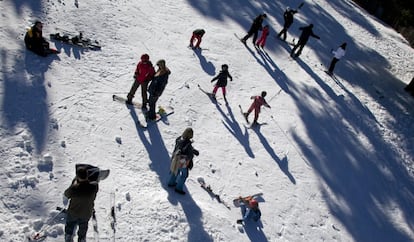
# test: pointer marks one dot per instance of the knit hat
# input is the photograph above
(188, 133)
(145, 57)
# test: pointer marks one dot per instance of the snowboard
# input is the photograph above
(210, 191)
(238, 201)
(95, 174)
(124, 99)
(76, 40)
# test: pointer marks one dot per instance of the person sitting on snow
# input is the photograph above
(34, 40)
(250, 210)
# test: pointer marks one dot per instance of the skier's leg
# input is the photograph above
(332, 65)
(181, 178)
(300, 49)
(144, 87)
(198, 37)
(192, 40)
(255, 34)
(173, 179)
(223, 89)
(82, 230)
(152, 103)
(131, 93)
(69, 228)
(256, 115)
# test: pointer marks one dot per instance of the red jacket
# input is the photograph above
(258, 102)
(144, 71)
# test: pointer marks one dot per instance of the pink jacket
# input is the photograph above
(144, 71)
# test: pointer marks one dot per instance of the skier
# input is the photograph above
(157, 87)
(288, 17)
(338, 54)
(250, 210)
(34, 40)
(197, 35)
(222, 81)
(254, 29)
(82, 194)
(182, 160)
(303, 39)
(142, 76)
(257, 103)
(262, 41)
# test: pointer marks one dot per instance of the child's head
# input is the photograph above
(224, 67)
(264, 93)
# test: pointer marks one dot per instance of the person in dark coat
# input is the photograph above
(34, 40)
(82, 194)
(288, 17)
(254, 29)
(197, 35)
(303, 39)
(157, 87)
(182, 160)
(221, 79)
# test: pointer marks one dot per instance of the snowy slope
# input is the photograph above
(334, 160)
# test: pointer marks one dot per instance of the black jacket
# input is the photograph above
(35, 42)
(288, 16)
(158, 84)
(306, 33)
(222, 78)
(257, 24)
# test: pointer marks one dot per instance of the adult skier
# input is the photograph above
(221, 79)
(82, 194)
(338, 54)
(144, 72)
(258, 101)
(303, 39)
(157, 87)
(288, 18)
(254, 28)
(182, 160)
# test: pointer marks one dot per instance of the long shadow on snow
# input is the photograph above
(283, 164)
(254, 231)
(207, 66)
(234, 128)
(25, 97)
(364, 174)
(160, 163)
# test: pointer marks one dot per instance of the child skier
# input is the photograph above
(197, 35)
(222, 81)
(262, 41)
(250, 210)
(257, 103)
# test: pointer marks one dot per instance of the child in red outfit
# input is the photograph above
(265, 32)
(143, 75)
(197, 35)
(257, 103)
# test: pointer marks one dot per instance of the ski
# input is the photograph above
(76, 40)
(210, 191)
(42, 233)
(237, 201)
(212, 96)
(245, 117)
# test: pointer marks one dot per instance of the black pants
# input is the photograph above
(255, 33)
(332, 65)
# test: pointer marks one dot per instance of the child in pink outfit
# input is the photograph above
(257, 103)
(265, 32)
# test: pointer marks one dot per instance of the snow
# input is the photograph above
(334, 160)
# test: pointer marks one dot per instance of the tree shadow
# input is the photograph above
(25, 97)
(160, 163)
(283, 163)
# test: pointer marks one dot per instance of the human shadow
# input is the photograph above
(283, 163)
(25, 98)
(207, 66)
(254, 230)
(233, 126)
(160, 163)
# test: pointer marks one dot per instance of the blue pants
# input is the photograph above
(178, 179)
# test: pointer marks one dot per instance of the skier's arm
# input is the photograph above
(231, 78)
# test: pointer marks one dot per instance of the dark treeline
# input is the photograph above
(397, 13)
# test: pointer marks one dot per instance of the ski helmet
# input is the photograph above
(264, 93)
(145, 57)
(224, 67)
